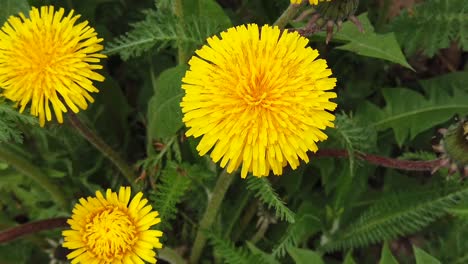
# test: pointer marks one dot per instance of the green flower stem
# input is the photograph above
(171, 256)
(179, 12)
(36, 174)
(287, 15)
(222, 185)
(105, 149)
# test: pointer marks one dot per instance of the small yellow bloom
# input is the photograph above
(259, 98)
(312, 2)
(49, 61)
(112, 229)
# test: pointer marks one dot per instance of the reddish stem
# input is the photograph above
(31, 228)
(411, 165)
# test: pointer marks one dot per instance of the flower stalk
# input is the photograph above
(31, 228)
(219, 191)
(179, 12)
(287, 15)
(101, 145)
(34, 173)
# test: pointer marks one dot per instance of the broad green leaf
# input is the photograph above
(304, 256)
(409, 113)
(371, 44)
(422, 257)
(212, 11)
(164, 113)
(386, 257)
(448, 82)
(12, 8)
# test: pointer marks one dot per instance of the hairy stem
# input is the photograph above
(24, 166)
(105, 149)
(220, 189)
(409, 165)
(287, 15)
(31, 228)
(179, 12)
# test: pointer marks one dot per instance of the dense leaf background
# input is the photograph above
(398, 82)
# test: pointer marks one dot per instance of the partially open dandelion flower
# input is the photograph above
(49, 61)
(259, 99)
(312, 2)
(112, 229)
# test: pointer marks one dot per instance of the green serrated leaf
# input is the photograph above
(164, 113)
(305, 256)
(12, 8)
(422, 257)
(371, 44)
(433, 25)
(386, 256)
(262, 189)
(398, 214)
(409, 113)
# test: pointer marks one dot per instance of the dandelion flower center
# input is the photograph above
(110, 233)
(112, 229)
(259, 98)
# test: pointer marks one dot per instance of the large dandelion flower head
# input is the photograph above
(259, 97)
(49, 61)
(112, 229)
(312, 2)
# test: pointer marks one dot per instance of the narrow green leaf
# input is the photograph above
(164, 113)
(262, 189)
(386, 256)
(304, 256)
(422, 257)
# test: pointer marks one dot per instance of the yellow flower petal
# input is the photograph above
(48, 62)
(258, 98)
(104, 231)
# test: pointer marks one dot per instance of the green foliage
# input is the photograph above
(397, 215)
(161, 29)
(339, 209)
(422, 257)
(304, 256)
(307, 224)
(230, 253)
(416, 113)
(10, 119)
(174, 183)
(433, 25)
(369, 43)
(261, 189)
(352, 136)
(164, 113)
(386, 256)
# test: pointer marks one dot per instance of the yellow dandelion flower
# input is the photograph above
(49, 61)
(257, 98)
(112, 229)
(312, 2)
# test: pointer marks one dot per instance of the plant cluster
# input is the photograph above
(233, 131)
